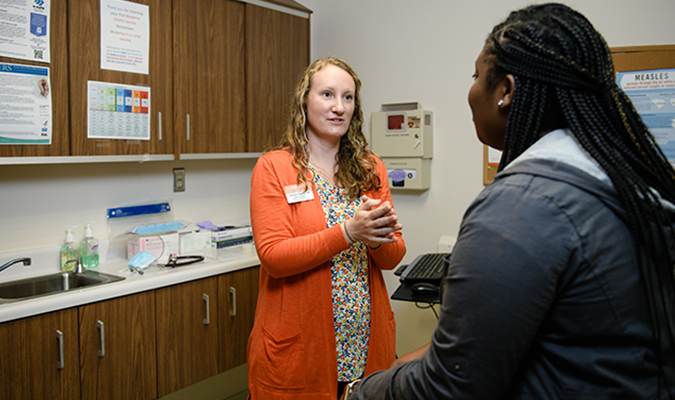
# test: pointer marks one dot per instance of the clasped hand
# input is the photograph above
(372, 224)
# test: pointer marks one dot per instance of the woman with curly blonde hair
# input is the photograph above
(324, 228)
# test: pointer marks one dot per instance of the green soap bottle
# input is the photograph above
(89, 249)
(69, 252)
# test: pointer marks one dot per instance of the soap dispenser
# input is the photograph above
(69, 252)
(89, 249)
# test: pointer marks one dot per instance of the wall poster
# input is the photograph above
(118, 111)
(125, 36)
(24, 29)
(653, 96)
(25, 105)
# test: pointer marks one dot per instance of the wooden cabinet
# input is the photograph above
(108, 353)
(238, 296)
(277, 52)
(58, 76)
(187, 334)
(84, 33)
(39, 357)
(210, 91)
(141, 346)
(117, 348)
(236, 66)
(203, 327)
(221, 77)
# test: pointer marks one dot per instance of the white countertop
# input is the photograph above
(153, 278)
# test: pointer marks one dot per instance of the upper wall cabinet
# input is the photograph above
(210, 82)
(84, 33)
(58, 76)
(221, 77)
(277, 51)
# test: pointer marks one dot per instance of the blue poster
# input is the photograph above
(653, 96)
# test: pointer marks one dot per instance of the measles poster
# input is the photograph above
(653, 96)
(125, 36)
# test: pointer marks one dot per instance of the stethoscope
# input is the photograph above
(173, 261)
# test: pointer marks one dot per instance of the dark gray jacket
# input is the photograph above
(543, 299)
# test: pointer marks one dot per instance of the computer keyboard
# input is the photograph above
(428, 267)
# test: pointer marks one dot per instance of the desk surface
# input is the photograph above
(404, 293)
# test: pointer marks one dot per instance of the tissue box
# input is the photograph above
(160, 246)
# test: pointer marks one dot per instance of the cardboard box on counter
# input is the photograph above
(197, 242)
(231, 237)
(161, 246)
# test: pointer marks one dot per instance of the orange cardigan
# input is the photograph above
(291, 350)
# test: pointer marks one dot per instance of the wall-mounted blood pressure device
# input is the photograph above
(402, 136)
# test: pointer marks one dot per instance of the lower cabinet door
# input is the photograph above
(238, 295)
(38, 357)
(118, 356)
(187, 334)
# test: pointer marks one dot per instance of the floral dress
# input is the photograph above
(351, 290)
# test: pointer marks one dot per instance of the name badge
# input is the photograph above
(297, 193)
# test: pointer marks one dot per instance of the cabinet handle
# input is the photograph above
(59, 336)
(207, 320)
(233, 292)
(159, 125)
(101, 352)
(188, 126)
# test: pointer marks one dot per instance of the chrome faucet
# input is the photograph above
(79, 268)
(25, 261)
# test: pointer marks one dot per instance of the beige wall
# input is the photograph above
(38, 202)
(424, 51)
(421, 50)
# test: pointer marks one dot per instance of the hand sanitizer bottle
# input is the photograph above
(69, 252)
(89, 249)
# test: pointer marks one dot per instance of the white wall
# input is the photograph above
(38, 202)
(424, 51)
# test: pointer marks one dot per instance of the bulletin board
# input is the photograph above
(629, 58)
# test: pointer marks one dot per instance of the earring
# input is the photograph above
(500, 102)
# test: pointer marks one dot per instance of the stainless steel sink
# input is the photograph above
(44, 285)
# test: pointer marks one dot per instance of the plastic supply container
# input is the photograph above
(89, 249)
(69, 251)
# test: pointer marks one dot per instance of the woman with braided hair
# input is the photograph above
(561, 281)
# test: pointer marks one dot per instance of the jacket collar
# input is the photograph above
(560, 145)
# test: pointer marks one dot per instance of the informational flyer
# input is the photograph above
(117, 111)
(125, 36)
(653, 95)
(25, 105)
(24, 29)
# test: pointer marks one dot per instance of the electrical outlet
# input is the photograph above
(179, 179)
